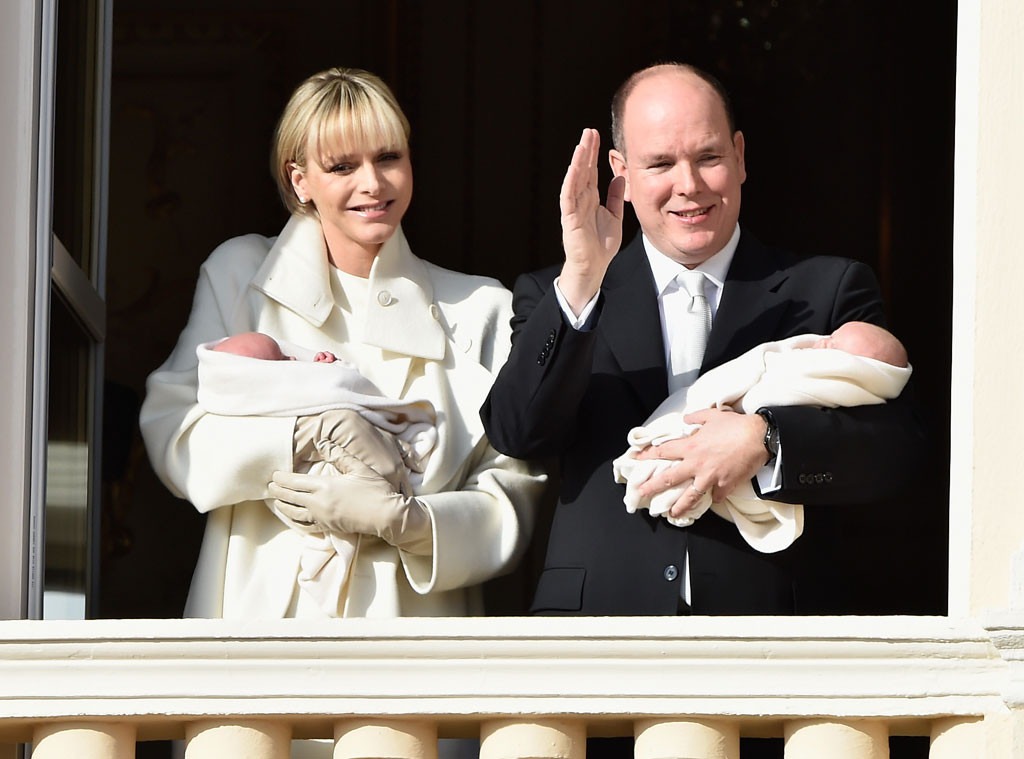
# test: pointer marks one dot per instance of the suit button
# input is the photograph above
(818, 479)
(803, 479)
(385, 298)
(671, 573)
(828, 476)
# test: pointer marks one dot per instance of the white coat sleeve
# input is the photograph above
(481, 529)
(483, 523)
(209, 459)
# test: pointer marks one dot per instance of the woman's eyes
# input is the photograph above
(347, 167)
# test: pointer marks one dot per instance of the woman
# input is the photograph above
(341, 276)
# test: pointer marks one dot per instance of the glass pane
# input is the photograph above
(67, 467)
(74, 128)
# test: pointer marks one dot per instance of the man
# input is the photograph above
(595, 352)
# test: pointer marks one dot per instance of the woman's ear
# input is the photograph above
(299, 184)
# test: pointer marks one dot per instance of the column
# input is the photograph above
(856, 739)
(84, 741)
(538, 739)
(255, 739)
(689, 739)
(385, 739)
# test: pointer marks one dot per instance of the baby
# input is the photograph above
(858, 364)
(261, 346)
(337, 410)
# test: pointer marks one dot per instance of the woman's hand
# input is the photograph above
(358, 500)
(320, 437)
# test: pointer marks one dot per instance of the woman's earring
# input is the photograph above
(302, 200)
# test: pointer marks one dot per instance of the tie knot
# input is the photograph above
(692, 282)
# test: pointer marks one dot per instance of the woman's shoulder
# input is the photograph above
(458, 287)
(236, 251)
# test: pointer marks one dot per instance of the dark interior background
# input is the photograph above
(847, 108)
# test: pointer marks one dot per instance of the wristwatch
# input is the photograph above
(771, 432)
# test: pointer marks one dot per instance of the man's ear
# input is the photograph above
(740, 146)
(618, 163)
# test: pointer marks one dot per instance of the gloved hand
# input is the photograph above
(358, 500)
(323, 436)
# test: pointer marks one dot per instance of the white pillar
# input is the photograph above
(855, 739)
(95, 740)
(385, 739)
(692, 739)
(255, 739)
(537, 739)
(957, 737)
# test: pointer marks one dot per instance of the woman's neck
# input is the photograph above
(349, 256)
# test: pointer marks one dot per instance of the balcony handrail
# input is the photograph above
(151, 671)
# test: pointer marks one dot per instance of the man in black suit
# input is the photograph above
(590, 361)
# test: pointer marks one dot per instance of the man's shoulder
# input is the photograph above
(539, 279)
(753, 253)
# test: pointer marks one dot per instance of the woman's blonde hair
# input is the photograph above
(340, 108)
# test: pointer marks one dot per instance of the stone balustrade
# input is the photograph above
(684, 687)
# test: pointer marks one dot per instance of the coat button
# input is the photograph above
(828, 476)
(435, 312)
(384, 298)
(671, 573)
(818, 479)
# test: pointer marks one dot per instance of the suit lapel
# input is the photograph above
(631, 324)
(751, 307)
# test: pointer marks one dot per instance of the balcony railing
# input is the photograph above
(685, 687)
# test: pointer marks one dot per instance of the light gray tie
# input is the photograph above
(690, 335)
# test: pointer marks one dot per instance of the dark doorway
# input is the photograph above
(847, 107)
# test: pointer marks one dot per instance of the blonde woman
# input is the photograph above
(342, 276)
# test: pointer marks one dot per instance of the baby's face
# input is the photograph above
(865, 340)
(849, 340)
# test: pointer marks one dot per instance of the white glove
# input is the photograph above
(359, 500)
(323, 436)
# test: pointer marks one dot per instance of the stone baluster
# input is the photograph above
(255, 739)
(836, 739)
(94, 740)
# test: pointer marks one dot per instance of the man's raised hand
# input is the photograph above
(591, 233)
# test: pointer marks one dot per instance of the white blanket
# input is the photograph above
(782, 373)
(235, 385)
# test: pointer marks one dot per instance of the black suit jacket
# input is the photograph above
(575, 394)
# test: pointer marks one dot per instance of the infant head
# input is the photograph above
(867, 340)
(253, 345)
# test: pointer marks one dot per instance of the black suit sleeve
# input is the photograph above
(850, 455)
(531, 411)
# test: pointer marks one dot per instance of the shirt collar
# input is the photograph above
(715, 268)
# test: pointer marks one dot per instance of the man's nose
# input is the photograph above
(686, 179)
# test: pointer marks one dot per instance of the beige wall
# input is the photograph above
(987, 526)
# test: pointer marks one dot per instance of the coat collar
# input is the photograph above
(401, 315)
(752, 306)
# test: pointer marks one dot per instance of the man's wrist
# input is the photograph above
(771, 433)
